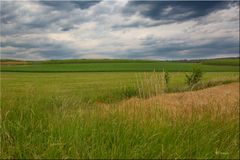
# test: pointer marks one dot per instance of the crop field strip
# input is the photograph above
(223, 61)
(117, 67)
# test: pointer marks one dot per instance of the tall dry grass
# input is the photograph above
(151, 84)
(220, 102)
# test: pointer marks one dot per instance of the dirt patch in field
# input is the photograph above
(13, 63)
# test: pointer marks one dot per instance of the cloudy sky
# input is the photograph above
(34, 30)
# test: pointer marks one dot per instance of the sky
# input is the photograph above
(160, 30)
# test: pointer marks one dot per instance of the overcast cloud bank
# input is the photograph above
(37, 30)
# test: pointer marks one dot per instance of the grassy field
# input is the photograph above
(93, 86)
(223, 61)
(43, 117)
(103, 115)
(111, 66)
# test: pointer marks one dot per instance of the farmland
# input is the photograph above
(94, 85)
(113, 66)
(116, 67)
(223, 61)
(93, 110)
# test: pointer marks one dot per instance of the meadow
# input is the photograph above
(223, 61)
(114, 66)
(101, 115)
(95, 86)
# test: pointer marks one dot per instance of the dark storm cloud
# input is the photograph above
(51, 14)
(58, 53)
(5, 17)
(45, 50)
(181, 51)
(7, 12)
(178, 11)
(26, 45)
(69, 5)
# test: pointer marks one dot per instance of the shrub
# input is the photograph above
(128, 92)
(194, 77)
(166, 78)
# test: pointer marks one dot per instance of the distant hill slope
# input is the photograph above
(222, 61)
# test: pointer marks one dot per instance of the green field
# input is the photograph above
(117, 67)
(93, 86)
(223, 61)
(77, 113)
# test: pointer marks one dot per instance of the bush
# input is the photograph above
(194, 77)
(128, 92)
(166, 78)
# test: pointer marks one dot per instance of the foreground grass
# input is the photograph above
(65, 115)
(169, 126)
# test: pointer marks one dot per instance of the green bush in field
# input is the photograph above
(194, 77)
(166, 78)
(128, 92)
